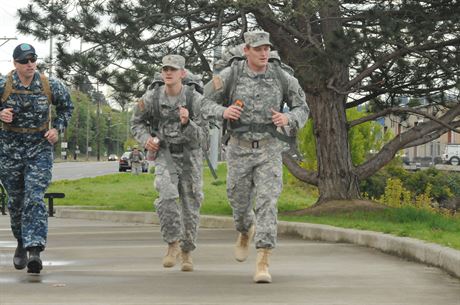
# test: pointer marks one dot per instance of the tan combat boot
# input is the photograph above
(262, 275)
(187, 263)
(169, 260)
(242, 244)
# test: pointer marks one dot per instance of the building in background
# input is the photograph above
(430, 152)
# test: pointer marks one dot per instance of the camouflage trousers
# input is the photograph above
(254, 183)
(180, 196)
(136, 168)
(26, 180)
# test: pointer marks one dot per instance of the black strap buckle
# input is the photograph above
(176, 148)
(255, 144)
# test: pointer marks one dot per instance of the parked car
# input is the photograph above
(112, 157)
(451, 154)
(124, 164)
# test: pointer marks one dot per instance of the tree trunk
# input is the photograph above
(336, 178)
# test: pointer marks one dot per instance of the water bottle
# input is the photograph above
(152, 155)
(238, 103)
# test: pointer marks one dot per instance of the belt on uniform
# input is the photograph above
(176, 148)
(251, 143)
(8, 127)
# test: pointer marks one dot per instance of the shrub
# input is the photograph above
(423, 186)
(395, 194)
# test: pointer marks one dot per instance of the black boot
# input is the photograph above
(35, 263)
(20, 256)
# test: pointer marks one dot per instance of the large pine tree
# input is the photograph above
(345, 53)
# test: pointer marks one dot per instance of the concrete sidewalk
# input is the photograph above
(105, 262)
(432, 254)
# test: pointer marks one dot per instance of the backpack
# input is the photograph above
(46, 90)
(8, 89)
(135, 156)
(192, 83)
(234, 58)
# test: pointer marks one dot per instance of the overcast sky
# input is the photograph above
(8, 21)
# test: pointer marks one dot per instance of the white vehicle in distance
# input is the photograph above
(451, 154)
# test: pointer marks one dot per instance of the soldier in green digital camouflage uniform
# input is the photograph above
(254, 179)
(135, 159)
(178, 163)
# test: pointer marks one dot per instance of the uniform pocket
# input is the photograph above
(41, 108)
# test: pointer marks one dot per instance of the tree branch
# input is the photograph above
(397, 54)
(299, 172)
(362, 100)
(389, 150)
(430, 137)
(400, 110)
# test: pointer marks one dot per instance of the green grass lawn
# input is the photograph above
(123, 191)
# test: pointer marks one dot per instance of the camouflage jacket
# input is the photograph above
(32, 110)
(260, 93)
(169, 127)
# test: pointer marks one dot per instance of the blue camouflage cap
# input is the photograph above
(257, 38)
(22, 50)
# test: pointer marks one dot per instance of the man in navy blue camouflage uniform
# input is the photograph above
(27, 136)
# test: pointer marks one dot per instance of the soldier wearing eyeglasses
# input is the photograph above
(27, 135)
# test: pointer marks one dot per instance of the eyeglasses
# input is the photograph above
(26, 60)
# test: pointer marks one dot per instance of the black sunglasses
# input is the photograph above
(26, 60)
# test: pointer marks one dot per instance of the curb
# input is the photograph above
(432, 254)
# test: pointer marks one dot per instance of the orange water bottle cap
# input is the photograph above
(239, 103)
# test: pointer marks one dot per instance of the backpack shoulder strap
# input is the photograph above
(156, 83)
(156, 106)
(231, 82)
(46, 87)
(8, 87)
(282, 77)
(189, 99)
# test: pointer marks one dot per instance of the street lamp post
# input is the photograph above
(98, 139)
(87, 132)
(109, 136)
(109, 142)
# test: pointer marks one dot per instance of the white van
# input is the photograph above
(451, 154)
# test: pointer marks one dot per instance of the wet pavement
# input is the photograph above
(100, 262)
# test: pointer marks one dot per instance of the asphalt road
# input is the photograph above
(98, 262)
(78, 170)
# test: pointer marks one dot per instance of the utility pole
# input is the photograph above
(76, 148)
(109, 134)
(50, 72)
(6, 39)
(98, 139)
(127, 123)
(88, 114)
(214, 132)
